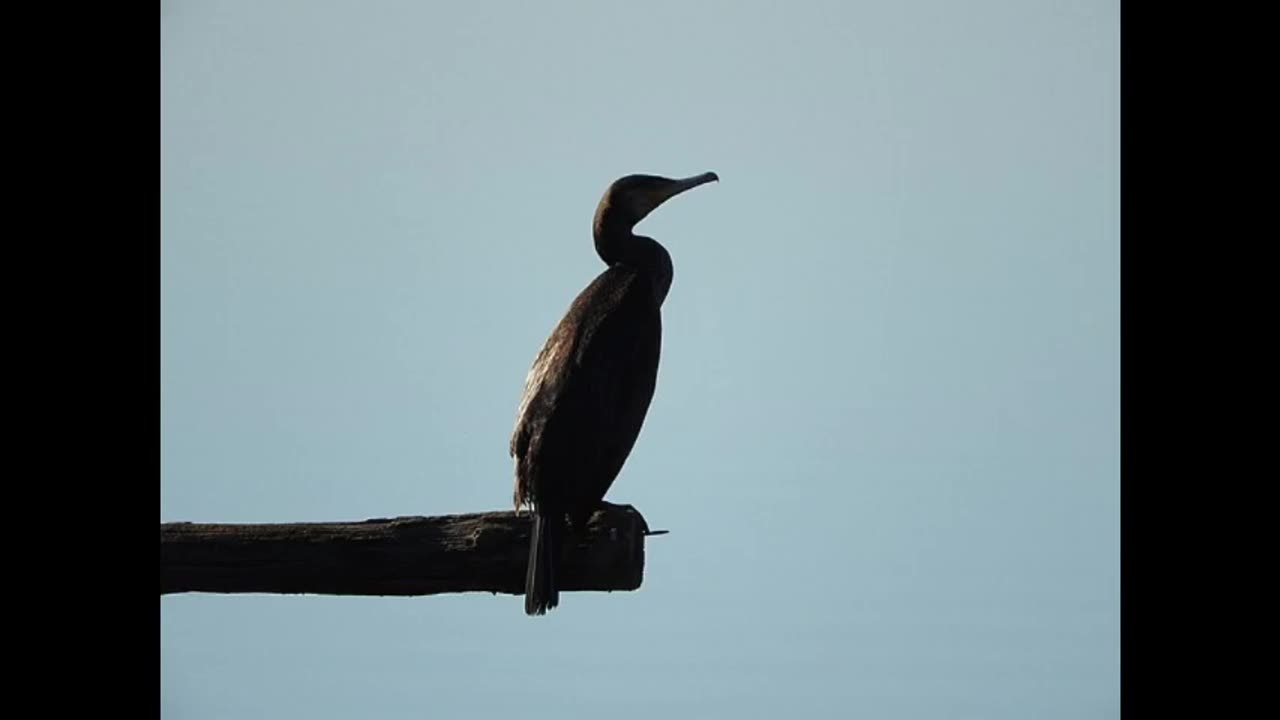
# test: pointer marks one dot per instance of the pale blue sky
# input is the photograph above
(886, 431)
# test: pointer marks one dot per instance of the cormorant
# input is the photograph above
(589, 388)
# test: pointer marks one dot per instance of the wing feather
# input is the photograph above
(587, 394)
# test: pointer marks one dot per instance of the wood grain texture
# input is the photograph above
(477, 552)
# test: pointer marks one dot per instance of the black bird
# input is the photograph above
(589, 388)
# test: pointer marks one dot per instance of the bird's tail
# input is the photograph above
(540, 593)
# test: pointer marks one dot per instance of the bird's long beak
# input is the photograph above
(678, 186)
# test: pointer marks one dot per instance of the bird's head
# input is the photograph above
(629, 199)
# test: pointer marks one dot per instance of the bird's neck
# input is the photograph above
(616, 244)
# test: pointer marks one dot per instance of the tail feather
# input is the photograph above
(540, 592)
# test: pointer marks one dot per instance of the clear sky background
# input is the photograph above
(886, 431)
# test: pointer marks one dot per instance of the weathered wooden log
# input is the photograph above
(478, 552)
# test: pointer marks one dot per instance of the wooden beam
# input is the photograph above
(477, 552)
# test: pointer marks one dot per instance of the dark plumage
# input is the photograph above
(587, 393)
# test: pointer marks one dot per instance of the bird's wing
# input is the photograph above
(588, 392)
(540, 385)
